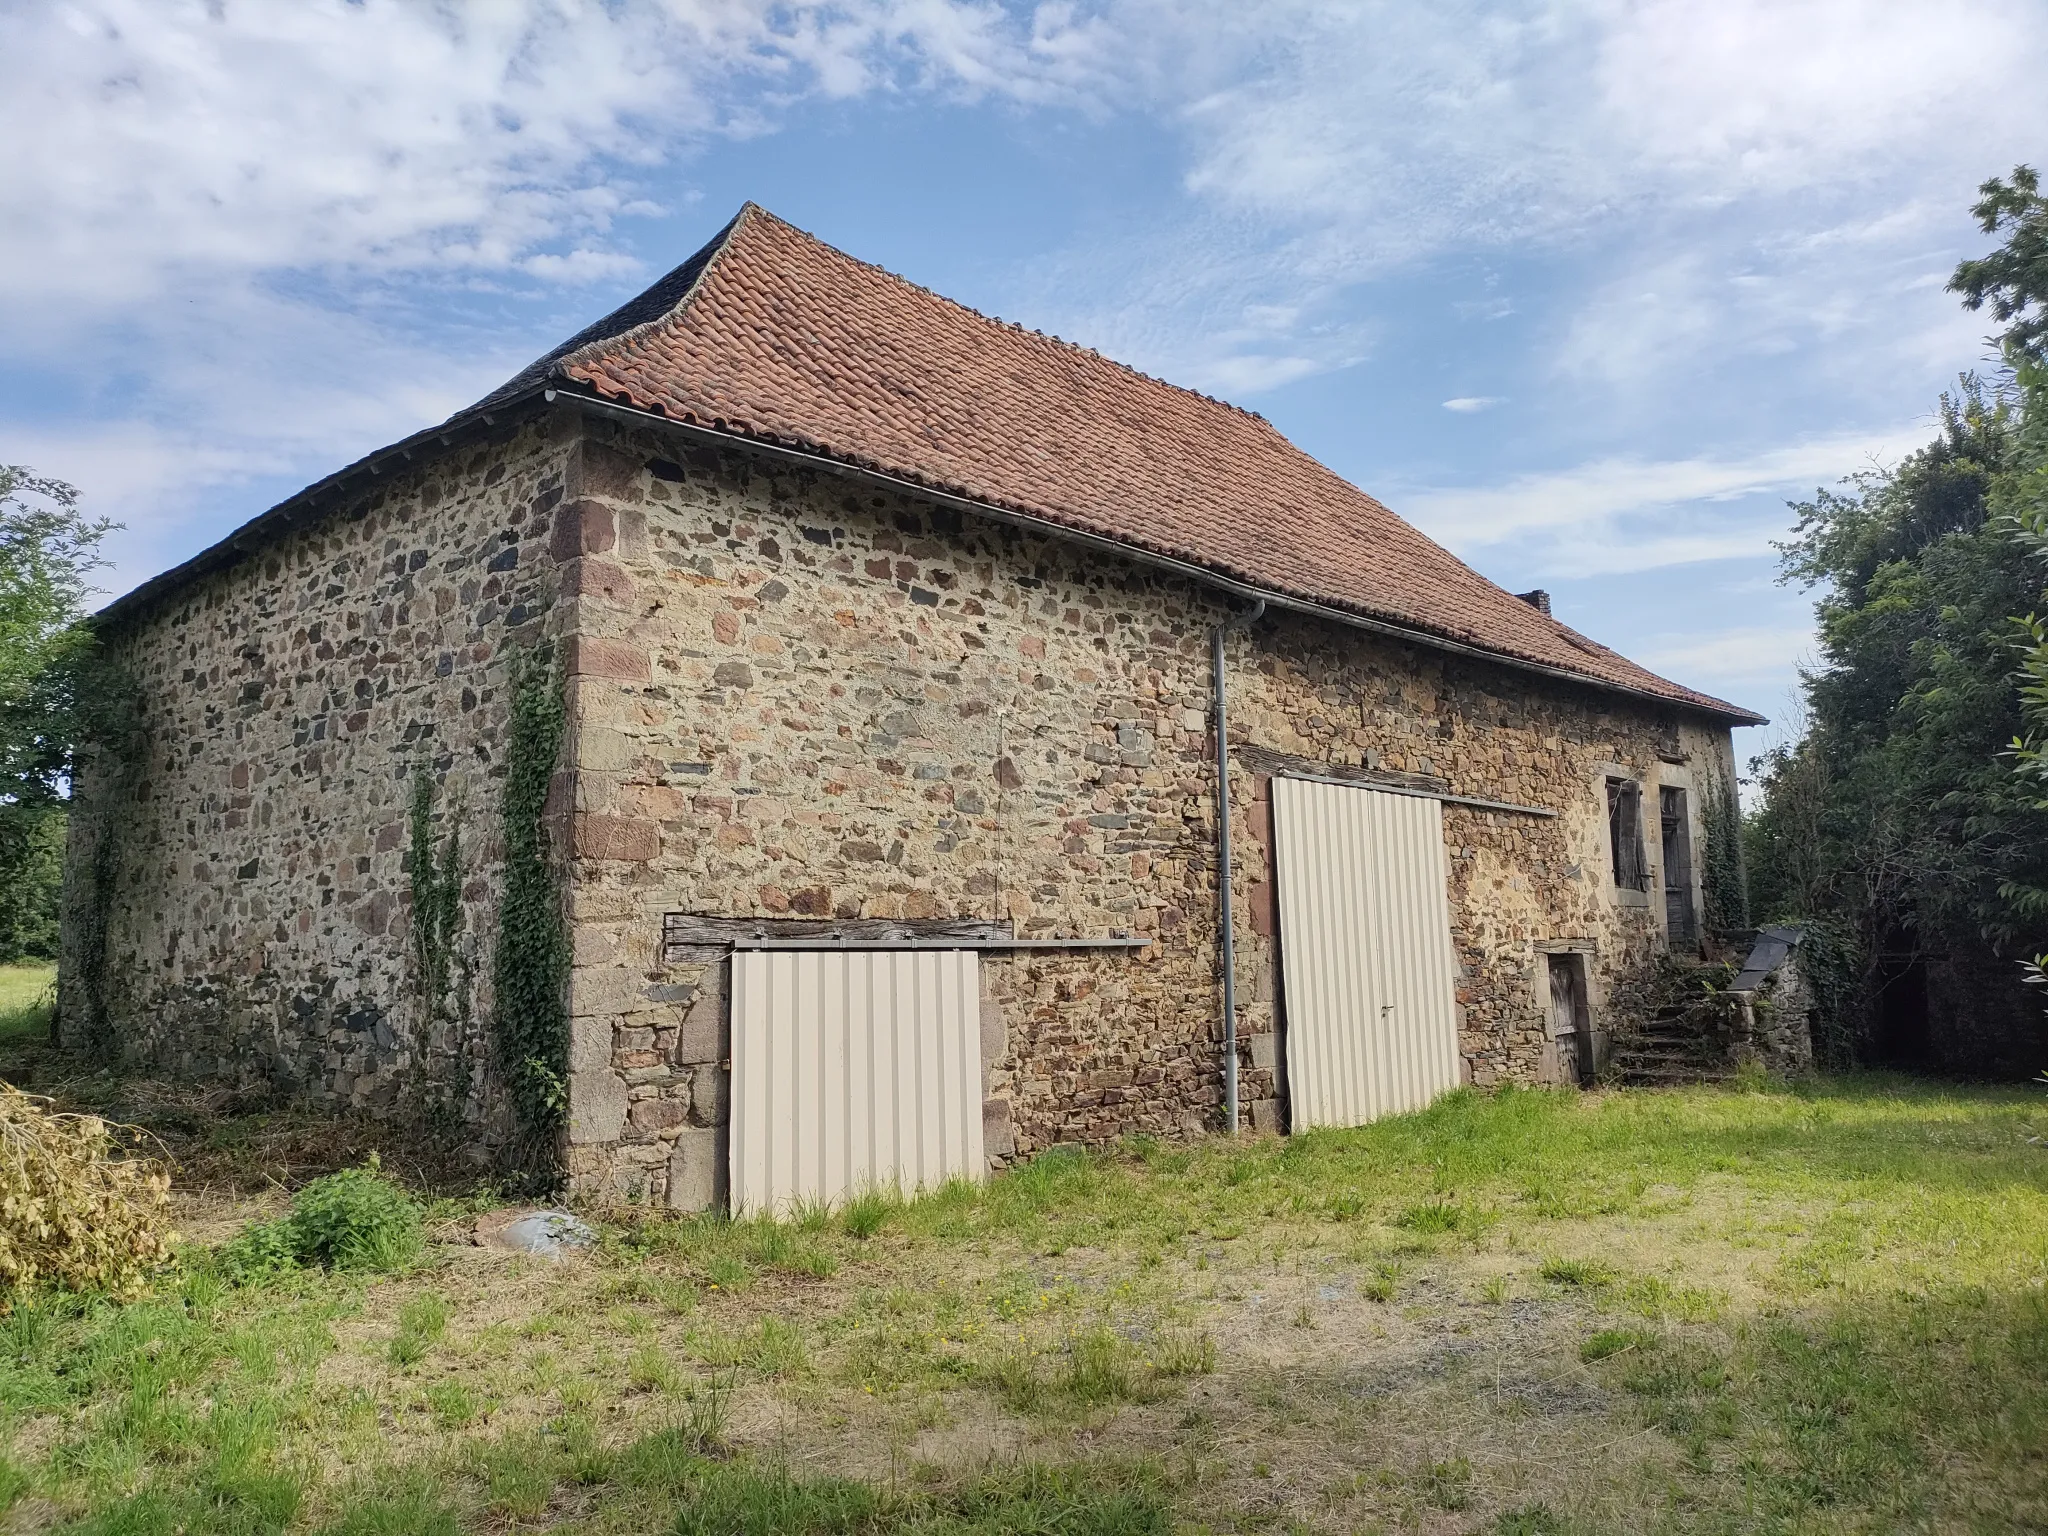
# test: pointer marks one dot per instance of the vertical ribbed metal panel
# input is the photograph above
(1365, 947)
(853, 1069)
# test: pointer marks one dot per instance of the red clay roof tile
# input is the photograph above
(771, 333)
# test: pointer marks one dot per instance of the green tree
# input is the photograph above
(48, 551)
(2013, 279)
(1897, 811)
(1910, 818)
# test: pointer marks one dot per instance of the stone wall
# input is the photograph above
(790, 698)
(257, 925)
(1521, 887)
(795, 697)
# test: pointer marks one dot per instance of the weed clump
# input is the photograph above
(1609, 1342)
(420, 1322)
(1432, 1217)
(1588, 1274)
(867, 1213)
(357, 1219)
(744, 1501)
(74, 1210)
(739, 1498)
(1448, 1484)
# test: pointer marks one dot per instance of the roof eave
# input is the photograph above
(587, 396)
(423, 447)
(430, 443)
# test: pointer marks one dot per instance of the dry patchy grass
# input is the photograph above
(1524, 1313)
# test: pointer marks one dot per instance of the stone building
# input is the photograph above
(867, 622)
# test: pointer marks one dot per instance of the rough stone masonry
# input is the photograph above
(792, 697)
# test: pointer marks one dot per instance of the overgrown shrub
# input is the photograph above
(76, 1210)
(1672, 987)
(1840, 978)
(530, 965)
(357, 1219)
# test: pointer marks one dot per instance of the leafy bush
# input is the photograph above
(259, 1252)
(31, 881)
(357, 1219)
(74, 1211)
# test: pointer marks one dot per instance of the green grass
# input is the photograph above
(1817, 1308)
(27, 995)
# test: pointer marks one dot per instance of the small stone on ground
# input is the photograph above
(550, 1234)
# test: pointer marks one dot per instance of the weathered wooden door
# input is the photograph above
(1569, 1029)
(1681, 922)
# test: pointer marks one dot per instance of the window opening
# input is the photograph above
(1625, 834)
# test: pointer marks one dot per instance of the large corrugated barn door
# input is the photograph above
(852, 1069)
(1365, 949)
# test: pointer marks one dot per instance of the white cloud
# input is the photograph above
(159, 139)
(1587, 498)
(1742, 659)
(1744, 176)
(255, 206)
(244, 389)
(255, 198)
(1406, 126)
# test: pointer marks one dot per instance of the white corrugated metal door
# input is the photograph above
(1365, 949)
(853, 1069)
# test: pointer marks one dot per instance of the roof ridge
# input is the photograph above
(739, 356)
(712, 253)
(1008, 325)
(607, 328)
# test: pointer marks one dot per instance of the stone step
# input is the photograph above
(1667, 1043)
(1669, 1027)
(1638, 1051)
(1668, 1076)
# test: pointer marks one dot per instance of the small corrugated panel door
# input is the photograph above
(1365, 948)
(851, 1070)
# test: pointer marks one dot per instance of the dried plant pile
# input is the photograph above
(75, 1209)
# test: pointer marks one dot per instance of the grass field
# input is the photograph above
(27, 994)
(1812, 1309)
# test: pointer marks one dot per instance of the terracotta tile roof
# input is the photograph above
(772, 334)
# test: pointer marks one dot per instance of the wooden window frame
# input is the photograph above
(1628, 860)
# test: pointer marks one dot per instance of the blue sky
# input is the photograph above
(1587, 289)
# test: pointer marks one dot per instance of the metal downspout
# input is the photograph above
(1225, 924)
